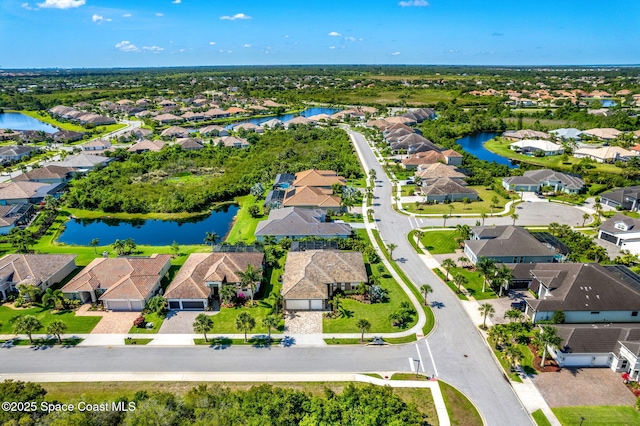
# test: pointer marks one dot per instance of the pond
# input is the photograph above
(474, 144)
(150, 232)
(286, 117)
(17, 121)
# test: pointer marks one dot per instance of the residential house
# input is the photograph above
(199, 280)
(401, 120)
(297, 121)
(532, 146)
(439, 170)
(175, 132)
(11, 153)
(248, 127)
(146, 145)
(15, 215)
(422, 160)
(605, 154)
(8, 134)
(311, 197)
(274, 123)
(26, 192)
(311, 277)
(604, 134)
(534, 180)
(82, 162)
(122, 283)
(295, 222)
(168, 118)
(193, 116)
(216, 113)
(97, 145)
(47, 174)
(213, 131)
(318, 178)
(446, 189)
(622, 231)
(232, 142)
(413, 143)
(625, 198)
(39, 270)
(67, 136)
(506, 244)
(567, 134)
(420, 115)
(190, 143)
(518, 135)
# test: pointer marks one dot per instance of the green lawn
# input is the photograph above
(474, 285)
(483, 205)
(153, 318)
(440, 242)
(461, 411)
(450, 284)
(71, 126)
(136, 341)
(75, 324)
(540, 418)
(598, 415)
(73, 341)
(244, 226)
(412, 241)
(223, 341)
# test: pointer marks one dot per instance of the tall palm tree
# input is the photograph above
(502, 277)
(444, 218)
(245, 322)
(94, 243)
(512, 354)
(118, 246)
(486, 266)
(460, 280)
(363, 325)
(29, 291)
(463, 260)
(498, 333)
(203, 324)
(56, 328)
(277, 298)
(336, 303)
(211, 238)
(515, 217)
(250, 278)
(548, 338)
(53, 297)
(486, 310)
(483, 216)
(270, 321)
(227, 292)
(464, 231)
(26, 324)
(419, 236)
(391, 247)
(585, 217)
(425, 289)
(447, 264)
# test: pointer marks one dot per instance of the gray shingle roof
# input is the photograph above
(509, 241)
(299, 222)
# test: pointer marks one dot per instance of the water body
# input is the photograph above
(286, 117)
(149, 232)
(474, 144)
(608, 103)
(17, 121)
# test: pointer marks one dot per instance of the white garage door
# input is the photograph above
(118, 305)
(317, 305)
(577, 361)
(137, 305)
(298, 304)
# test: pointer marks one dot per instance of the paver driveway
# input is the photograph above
(180, 322)
(303, 322)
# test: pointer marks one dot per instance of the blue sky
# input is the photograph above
(142, 33)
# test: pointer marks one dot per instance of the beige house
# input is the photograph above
(40, 270)
(604, 133)
(203, 274)
(439, 170)
(311, 197)
(122, 283)
(605, 154)
(311, 277)
(318, 178)
(146, 145)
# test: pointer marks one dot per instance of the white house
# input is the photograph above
(622, 231)
(531, 146)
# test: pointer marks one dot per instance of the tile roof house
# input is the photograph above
(531, 146)
(627, 198)
(47, 174)
(190, 143)
(82, 162)
(318, 178)
(311, 277)
(623, 231)
(517, 135)
(249, 127)
(294, 222)
(168, 118)
(439, 170)
(16, 152)
(213, 131)
(96, 145)
(67, 136)
(533, 180)
(605, 154)
(122, 284)
(15, 215)
(604, 133)
(175, 132)
(423, 159)
(413, 143)
(311, 197)
(232, 142)
(26, 192)
(442, 189)
(506, 244)
(203, 274)
(146, 145)
(40, 270)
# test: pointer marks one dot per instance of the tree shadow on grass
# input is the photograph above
(219, 343)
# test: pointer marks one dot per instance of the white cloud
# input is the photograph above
(332, 47)
(99, 18)
(26, 6)
(159, 14)
(176, 2)
(126, 46)
(127, 15)
(61, 4)
(246, 45)
(395, 53)
(234, 17)
(414, 3)
(154, 49)
(287, 36)
(350, 38)
(211, 43)
(334, 34)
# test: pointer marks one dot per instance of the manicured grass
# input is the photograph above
(409, 376)
(407, 190)
(153, 318)
(598, 415)
(75, 324)
(461, 411)
(71, 126)
(136, 341)
(244, 226)
(540, 418)
(97, 214)
(483, 205)
(223, 341)
(505, 365)
(450, 284)
(53, 341)
(440, 242)
(412, 241)
(474, 284)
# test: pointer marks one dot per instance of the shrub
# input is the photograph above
(377, 294)
(19, 302)
(558, 317)
(140, 322)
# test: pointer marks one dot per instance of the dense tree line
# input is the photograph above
(175, 180)
(217, 405)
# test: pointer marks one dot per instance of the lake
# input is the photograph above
(17, 121)
(474, 144)
(286, 117)
(149, 232)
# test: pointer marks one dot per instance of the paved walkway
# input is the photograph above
(303, 322)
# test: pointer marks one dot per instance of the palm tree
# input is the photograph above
(451, 207)
(498, 334)
(447, 264)
(227, 292)
(486, 266)
(57, 328)
(598, 208)
(419, 236)
(94, 243)
(391, 247)
(363, 325)
(425, 289)
(269, 240)
(157, 305)
(463, 261)
(129, 245)
(372, 174)
(336, 303)
(464, 231)
(483, 216)
(26, 324)
(460, 280)
(585, 217)
(29, 291)
(211, 238)
(270, 321)
(513, 315)
(53, 297)
(486, 310)
(276, 296)
(512, 354)
(245, 322)
(203, 324)
(503, 277)
(250, 278)
(548, 338)
(118, 246)
(494, 203)
(515, 217)
(444, 218)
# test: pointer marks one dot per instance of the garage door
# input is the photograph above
(577, 361)
(118, 305)
(298, 304)
(174, 305)
(137, 305)
(317, 305)
(193, 305)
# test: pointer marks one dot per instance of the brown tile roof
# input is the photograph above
(236, 110)
(22, 189)
(307, 273)
(176, 131)
(47, 172)
(439, 170)
(428, 157)
(191, 281)
(309, 196)
(146, 145)
(315, 177)
(36, 267)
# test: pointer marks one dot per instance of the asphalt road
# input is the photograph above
(460, 354)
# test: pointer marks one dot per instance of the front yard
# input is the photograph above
(483, 205)
(597, 415)
(474, 283)
(75, 324)
(440, 242)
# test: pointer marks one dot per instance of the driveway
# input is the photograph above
(303, 322)
(180, 322)
(583, 386)
(111, 322)
(503, 304)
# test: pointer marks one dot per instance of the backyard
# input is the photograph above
(245, 225)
